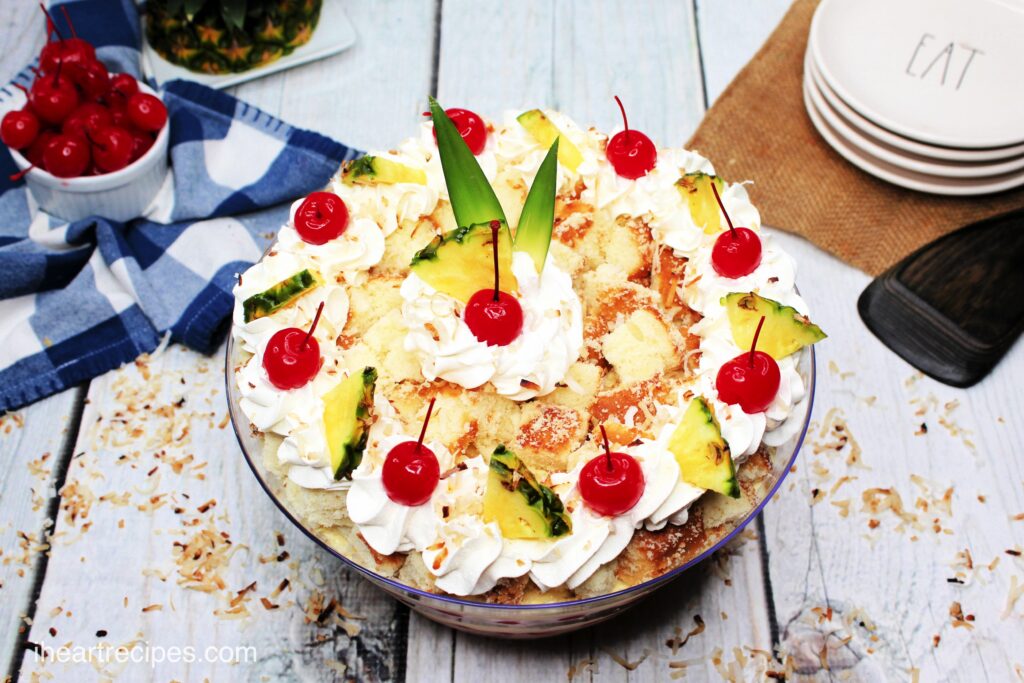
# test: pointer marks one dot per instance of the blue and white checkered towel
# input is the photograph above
(82, 298)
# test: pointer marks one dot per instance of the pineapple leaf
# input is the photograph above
(192, 7)
(472, 197)
(533, 235)
(233, 12)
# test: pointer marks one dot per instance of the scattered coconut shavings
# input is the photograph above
(588, 665)
(1016, 590)
(834, 369)
(40, 468)
(203, 558)
(76, 501)
(625, 663)
(834, 437)
(751, 665)
(959, 620)
(931, 405)
(678, 640)
(29, 545)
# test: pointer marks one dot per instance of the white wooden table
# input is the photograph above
(862, 568)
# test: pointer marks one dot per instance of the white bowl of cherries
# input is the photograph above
(87, 142)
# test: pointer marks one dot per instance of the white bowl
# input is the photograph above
(120, 196)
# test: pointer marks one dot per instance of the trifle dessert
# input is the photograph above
(520, 361)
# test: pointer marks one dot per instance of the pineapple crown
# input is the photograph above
(473, 200)
(232, 11)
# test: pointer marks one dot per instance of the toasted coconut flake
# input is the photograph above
(625, 663)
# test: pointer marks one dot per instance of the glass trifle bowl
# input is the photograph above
(708, 529)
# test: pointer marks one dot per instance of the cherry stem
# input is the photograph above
(52, 24)
(625, 121)
(22, 88)
(607, 448)
(312, 327)
(753, 344)
(426, 421)
(495, 226)
(67, 18)
(15, 177)
(727, 219)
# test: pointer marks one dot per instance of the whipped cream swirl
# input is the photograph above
(532, 365)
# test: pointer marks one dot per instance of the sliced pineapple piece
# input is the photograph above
(347, 417)
(703, 455)
(521, 506)
(696, 190)
(278, 296)
(543, 131)
(369, 170)
(461, 262)
(785, 330)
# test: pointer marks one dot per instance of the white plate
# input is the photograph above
(945, 72)
(880, 134)
(897, 157)
(908, 179)
(334, 33)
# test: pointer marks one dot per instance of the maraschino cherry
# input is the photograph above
(19, 129)
(146, 112)
(73, 50)
(53, 98)
(124, 85)
(112, 148)
(292, 357)
(493, 316)
(737, 252)
(611, 484)
(87, 118)
(470, 126)
(321, 217)
(67, 156)
(411, 471)
(750, 379)
(630, 152)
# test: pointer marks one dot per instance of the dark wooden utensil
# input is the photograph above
(953, 308)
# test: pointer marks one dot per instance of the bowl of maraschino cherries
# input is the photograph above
(86, 142)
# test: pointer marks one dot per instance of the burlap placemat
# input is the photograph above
(759, 130)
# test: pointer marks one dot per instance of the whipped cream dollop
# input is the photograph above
(297, 414)
(274, 268)
(518, 149)
(470, 555)
(345, 258)
(388, 526)
(392, 204)
(532, 365)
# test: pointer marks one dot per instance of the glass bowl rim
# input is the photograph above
(420, 594)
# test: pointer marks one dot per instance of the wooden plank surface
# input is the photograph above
(157, 480)
(898, 582)
(899, 571)
(34, 442)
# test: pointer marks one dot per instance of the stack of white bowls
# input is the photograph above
(925, 94)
